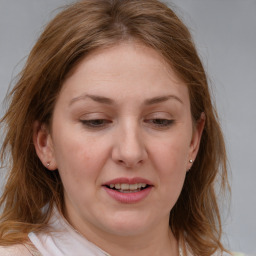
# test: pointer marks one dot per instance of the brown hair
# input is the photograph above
(78, 30)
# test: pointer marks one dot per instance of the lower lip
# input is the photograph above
(128, 198)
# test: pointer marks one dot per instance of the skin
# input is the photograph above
(134, 136)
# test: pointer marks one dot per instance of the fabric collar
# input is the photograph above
(62, 240)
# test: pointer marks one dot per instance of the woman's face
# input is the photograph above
(121, 138)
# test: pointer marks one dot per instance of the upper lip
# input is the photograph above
(124, 180)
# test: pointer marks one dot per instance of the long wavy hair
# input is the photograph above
(76, 31)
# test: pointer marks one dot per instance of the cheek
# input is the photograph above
(171, 155)
(170, 160)
(79, 166)
(78, 158)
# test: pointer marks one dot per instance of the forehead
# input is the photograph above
(125, 69)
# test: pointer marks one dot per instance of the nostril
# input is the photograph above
(129, 155)
(130, 164)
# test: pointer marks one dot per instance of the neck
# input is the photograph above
(143, 245)
(159, 241)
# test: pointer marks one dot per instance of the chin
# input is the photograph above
(129, 224)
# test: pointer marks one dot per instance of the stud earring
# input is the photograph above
(48, 164)
(191, 161)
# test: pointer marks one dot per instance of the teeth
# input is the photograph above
(117, 186)
(126, 186)
(133, 186)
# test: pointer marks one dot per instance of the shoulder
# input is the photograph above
(239, 254)
(218, 253)
(230, 254)
(15, 250)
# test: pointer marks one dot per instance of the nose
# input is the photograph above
(129, 149)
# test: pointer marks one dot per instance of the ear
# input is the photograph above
(44, 146)
(196, 138)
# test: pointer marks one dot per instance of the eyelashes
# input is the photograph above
(104, 123)
(160, 122)
(96, 123)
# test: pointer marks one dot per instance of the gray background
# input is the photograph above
(225, 35)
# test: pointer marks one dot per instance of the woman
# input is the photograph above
(113, 144)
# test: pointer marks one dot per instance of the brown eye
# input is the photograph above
(160, 122)
(96, 123)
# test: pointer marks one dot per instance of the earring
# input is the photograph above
(48, 164)
(191, 161)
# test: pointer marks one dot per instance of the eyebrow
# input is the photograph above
(108, 101)
(160, 99)
(96, 98)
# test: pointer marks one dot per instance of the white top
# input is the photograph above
(62, 240)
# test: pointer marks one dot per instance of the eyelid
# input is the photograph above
(94, 115)
(159, 115)
(94, 124)
(95, 120)
(159, 120)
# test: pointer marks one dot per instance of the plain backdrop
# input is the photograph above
(225, 35)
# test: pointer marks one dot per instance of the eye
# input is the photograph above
(95, 123)
(160, 122)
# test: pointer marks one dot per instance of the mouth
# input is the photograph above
(128, 191)
(128, 188)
